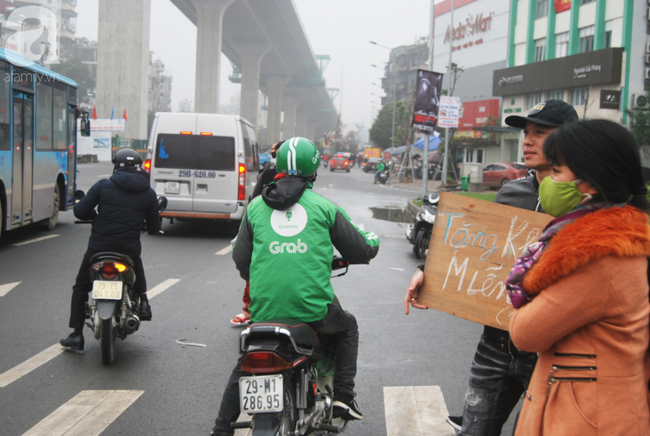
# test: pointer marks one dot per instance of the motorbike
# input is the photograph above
(114, 306)
(419, 233)
(383, 177)
(289, 390)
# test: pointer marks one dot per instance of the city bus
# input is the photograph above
(38, 143)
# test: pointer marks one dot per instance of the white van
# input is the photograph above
(205, 164)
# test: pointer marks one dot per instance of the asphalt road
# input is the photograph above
(182, 385)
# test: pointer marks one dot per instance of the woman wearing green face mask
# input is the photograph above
(581, 292)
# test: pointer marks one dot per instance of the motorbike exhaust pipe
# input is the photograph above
(132, 324)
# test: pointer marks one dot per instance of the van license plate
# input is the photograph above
(172, 188)
(107, 290)
(261, 394)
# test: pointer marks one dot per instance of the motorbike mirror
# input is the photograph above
(162, 204)
(79, 194)
(433, 198)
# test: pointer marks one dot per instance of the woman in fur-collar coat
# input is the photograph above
(582, 290)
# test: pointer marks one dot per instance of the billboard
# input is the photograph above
(478, 36)
(478, 113)
(427, 100)
(449, 112)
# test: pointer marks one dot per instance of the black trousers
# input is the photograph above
(83, 285)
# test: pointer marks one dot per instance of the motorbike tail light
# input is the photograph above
(241, 193)
(264, 363)
(110, 269)
(147, 165)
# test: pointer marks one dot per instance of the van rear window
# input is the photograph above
(216, 153)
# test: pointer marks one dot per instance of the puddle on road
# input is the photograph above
(392, 213)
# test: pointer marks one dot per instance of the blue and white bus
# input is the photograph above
(38, 143)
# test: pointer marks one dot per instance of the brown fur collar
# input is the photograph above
(607, 232)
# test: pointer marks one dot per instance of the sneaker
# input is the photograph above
(241, 319)
(145, 311)
(455, 421)
(346, 408)
(73, 343)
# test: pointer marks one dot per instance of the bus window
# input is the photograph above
(43, 116)
(5, 112)
(59, 119)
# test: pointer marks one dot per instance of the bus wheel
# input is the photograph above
(50, 223)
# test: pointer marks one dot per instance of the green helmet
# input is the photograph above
(298, 157)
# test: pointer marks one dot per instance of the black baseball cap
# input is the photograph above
(552, 113)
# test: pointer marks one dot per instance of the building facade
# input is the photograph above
(589, 53)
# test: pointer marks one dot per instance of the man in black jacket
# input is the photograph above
(126, 202)
(500, 372)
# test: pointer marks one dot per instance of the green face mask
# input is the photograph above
(559, 198)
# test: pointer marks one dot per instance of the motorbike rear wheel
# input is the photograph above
(107, 340)
(421, 245)
(289, 415)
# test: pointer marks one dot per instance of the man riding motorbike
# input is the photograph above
(284, 248)
(125, 202)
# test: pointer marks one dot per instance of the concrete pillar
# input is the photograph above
(290, 101)
(303, 112)
(123, 63)
(209, 24)
(274, 85)
(313, 122)
(251, 55)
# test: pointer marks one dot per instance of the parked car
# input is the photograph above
(371, 164)
(497, 174)
(340, 162)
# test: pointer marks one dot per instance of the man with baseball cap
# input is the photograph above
(500, 372)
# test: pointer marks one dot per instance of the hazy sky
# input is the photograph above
(341, 29)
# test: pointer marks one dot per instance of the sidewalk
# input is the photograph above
(433, 186)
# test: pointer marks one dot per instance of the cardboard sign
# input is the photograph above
(473, 246)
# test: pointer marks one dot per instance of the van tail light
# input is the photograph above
(264, 363)
(241, 194)
(147, 165)
(186, 132)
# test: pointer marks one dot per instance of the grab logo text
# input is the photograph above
(288, 247)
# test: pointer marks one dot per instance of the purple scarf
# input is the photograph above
(515, 280)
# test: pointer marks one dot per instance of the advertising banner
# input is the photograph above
(474, 244)
(427, 100)
(449, 112)
(98, 143)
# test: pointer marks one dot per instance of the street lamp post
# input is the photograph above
(392, 135)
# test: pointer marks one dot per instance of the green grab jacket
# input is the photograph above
(285, 248)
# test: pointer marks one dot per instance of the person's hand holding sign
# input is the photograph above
(413, 291)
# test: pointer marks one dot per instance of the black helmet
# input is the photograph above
(126, 157)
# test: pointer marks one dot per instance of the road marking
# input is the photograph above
(415, 411)
(4, 289)
(104, 176)
(162, 287)
(29, 365)
(45, 356)
(226, 250)
(87, 414)
(31, 241)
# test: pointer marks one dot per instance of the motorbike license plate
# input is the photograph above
(172, 188)
(107, 290)
(261, 394)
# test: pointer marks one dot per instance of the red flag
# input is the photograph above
(124, 116)
(94, 113)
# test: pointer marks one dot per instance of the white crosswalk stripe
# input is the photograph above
(48, 354)
(87, 414)
(4, 289)
(415, 411)
(226, 250)
(31, 241)
(29, 365)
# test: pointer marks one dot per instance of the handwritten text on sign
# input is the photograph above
(473, 247)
